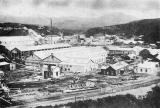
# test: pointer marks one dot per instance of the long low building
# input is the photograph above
(75, 59)
(121, 50)
(17, 41)
(23, 51)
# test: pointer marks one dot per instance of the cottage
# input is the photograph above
(147, 67)
(115, 69)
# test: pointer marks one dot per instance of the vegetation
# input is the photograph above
(151, 100)
(150, 28)
(17, 29)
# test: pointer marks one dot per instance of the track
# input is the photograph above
(89, 94)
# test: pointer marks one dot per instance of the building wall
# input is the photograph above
(110, 71)
(122, 52)
(18, 43)
(33, 61)
(55, 72)
(147, 69)
(144, 70)
(99, 58)
(12, 66)
(90, 66)
(72, 68)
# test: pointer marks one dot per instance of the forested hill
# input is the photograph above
(150, 28)
(17, 29)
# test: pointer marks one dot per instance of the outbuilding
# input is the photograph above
(116, 69)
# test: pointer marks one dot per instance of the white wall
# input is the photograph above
(100, 58)
(79, 68)
(72, 68)
(90, 66)
(56, 72)
(144, 70)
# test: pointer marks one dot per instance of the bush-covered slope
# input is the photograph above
(150, 28)
(17, 29)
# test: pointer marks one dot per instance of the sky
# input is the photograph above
(80, 8)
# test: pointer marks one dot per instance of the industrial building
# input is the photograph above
(121, 50)
(23, 51)
(17, 41)
(75, 59)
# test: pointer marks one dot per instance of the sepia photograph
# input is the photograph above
(79, 53)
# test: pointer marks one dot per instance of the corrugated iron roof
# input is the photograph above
(147, 64)
(3, 63)
(119, 65)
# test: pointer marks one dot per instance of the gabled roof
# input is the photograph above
(3, 63)
(158, 57)
(104, 67)
(119, 48)
(147, 64)
(41, 55)
(81, 62)
(1, 57)
(131, 55)
(119, 65)
(15, 38)
(154, 51)
(138, 48)
(40, 47)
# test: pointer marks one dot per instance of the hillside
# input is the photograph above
(85, 23)
(150, 28)
(17, 29)
(74, 24)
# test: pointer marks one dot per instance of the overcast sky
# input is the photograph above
(80, 8)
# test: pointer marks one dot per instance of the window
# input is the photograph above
(70, 65)
(146, 70)
(141, 70)
(56, 73)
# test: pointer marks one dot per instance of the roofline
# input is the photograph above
(35, 55)
(53, 56)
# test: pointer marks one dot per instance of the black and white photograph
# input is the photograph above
(79, 53)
